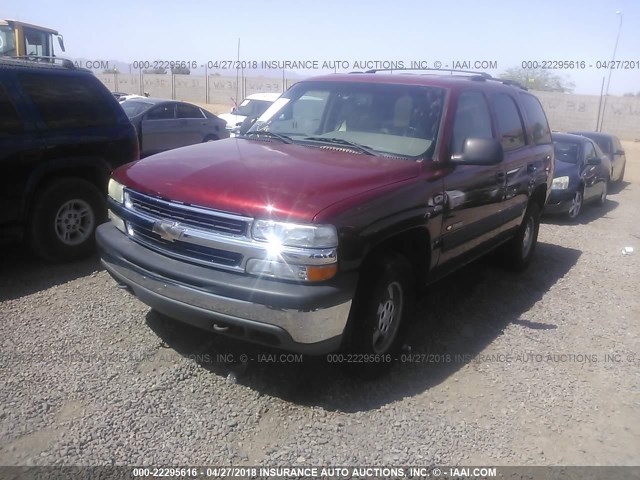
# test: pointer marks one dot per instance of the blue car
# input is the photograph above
(581, 175)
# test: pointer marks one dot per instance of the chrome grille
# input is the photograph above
(209, 220)
(141, 212)
(143, 234)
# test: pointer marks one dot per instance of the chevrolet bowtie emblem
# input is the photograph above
(170, 231)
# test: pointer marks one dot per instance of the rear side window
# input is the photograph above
(472, 120)
(539, 123)
(10, 121)
(509, 122)
(188, 111)
(161, 112)
(603, 142)
(67, 101)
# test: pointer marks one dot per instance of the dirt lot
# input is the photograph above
(546, 374)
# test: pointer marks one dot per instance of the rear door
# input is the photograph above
(541, 157)
(19, 154)
(515, 169)
(159, 131)
(592, 175)
(192, 125)
(473, 192)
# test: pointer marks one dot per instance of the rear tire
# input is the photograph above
(518, 252)
(621, 177)
(64, 218)
(378, 318)
(602, 200)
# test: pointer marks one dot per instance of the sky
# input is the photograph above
(508, 32)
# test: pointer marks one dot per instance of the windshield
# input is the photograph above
(133, 108)
(566, 152)
(397, 120)
(253, 108)
(7, 41)
(604, 144)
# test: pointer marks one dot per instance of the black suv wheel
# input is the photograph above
(64, 218)
(382, 304)
(518, 252)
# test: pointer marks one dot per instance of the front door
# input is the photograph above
(159, 129)
(472, 192)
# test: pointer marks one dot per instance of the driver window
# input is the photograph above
(37, 43)
(472, 120)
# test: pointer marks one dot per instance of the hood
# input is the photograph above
(264, 179)
(231, 119)
(565, 169)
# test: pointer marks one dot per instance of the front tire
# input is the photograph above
(576, 204)
(382, 304)
(64, 218)
(518, 252)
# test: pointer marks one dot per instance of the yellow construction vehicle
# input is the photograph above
(18, 39)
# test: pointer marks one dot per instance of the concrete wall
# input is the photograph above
(565, 111)
(580, 112)
(194, 87)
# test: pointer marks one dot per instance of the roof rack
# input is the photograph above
(473, 75)
(506, 81)
(63, 62)
(484, 75)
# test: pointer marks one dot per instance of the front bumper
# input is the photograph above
(297, 317)
(559, 201)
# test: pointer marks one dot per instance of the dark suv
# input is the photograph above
(313, 230)
(61, 135)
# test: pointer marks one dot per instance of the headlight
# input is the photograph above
(295, 252)
(294, 235)
(560, 183)
(116, 191)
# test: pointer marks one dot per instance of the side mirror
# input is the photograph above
(61, 42)
(619, 152)
(479, 151)
(594, 161)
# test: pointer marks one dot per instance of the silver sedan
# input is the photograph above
(167, 124)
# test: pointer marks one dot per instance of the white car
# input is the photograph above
(252, 106)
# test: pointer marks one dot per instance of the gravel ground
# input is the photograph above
(540, 368)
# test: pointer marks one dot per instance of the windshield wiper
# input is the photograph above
(342, 141)
(267, 133)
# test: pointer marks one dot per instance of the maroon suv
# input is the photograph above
(312, 231)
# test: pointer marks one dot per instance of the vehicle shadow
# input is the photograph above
(455, 321)
(588, 214)
(618, 187)
(23, 273)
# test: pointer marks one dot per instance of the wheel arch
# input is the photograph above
(413, 245)
(92, 170)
